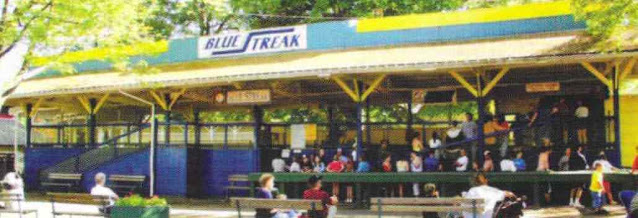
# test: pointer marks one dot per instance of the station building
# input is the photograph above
(507, 60)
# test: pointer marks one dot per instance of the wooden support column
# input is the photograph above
(198, 128)
(28, 124)
(167, 120)
(332, 130)
(258, 115)
(480, 100)
(368, 129)
(92, 123)
(359, 114)
(409, 133)
(616, 100)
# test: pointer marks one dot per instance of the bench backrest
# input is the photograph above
(260, 203)
(127, 178)
(427, 204)
(238, 178)
(10, 197)
(75, 198)
(65, 176)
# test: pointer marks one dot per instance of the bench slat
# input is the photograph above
(65, 176)
(78, 214)
(78, 198)
(418, 209)
(256, 203)
(422, 201)
(127, 178)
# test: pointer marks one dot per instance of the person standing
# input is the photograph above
(597, 188)
(336, 166)
(607, 168)
(578, 162)
(563, 163)
(488, 163)
(469, 129)
(519, 162)
(314, 192)
(417, 143)
(435, 143)
(278, 165)
(634, 166)
(582, 115)
(387, 168)
(431, 163)
(416, 166)
(462, 162)
(14, 185)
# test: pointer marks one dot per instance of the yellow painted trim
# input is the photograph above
(100, 103)
(147, 48)
(464, 83)
(36, 106)
(372, 87)
(482, 15)
(495, 80)
(628, 68)
(597, 74)
(355, 84)
(346, 89)
(84, 103)
(159, 100)
(175, 96)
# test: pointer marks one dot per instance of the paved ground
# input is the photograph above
(186, 211)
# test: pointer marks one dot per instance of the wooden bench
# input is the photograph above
(260, 203)
(62, 181)
(233, 185)
(419, 205)
(19, 200)
(72, 198)
(124, 184)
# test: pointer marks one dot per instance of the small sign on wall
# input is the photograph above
(542, 87)
(258, 96)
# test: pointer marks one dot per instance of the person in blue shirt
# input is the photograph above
(519, 162)
(431, 163)
(363, 166)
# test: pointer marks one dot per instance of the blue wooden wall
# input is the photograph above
(36, 159)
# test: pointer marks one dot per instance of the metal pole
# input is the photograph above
(616, 99)
(151, 156)
(15, 141)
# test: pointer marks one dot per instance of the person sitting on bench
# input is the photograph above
(13, 185)
(314, 192)
(267, 183)
(490, 195)
(100, 190)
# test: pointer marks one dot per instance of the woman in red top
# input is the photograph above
(387, 168)
(336, 166)
(634, 167)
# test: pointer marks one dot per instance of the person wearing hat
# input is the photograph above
(314, 192)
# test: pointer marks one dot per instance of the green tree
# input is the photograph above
(186, 18)
(607, 19)
(53, 27)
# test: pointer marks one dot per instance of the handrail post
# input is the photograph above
(379, 207)
(474, 211)
(238, 208)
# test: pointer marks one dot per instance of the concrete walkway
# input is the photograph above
(44, 211)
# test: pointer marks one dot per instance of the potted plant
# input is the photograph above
(136, 206)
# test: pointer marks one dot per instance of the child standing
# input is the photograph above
(596, 188)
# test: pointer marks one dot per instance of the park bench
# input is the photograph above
(74, 198)
(419, 205)
(15, 198)
(234, 184)
(62, 181)
(260, 203)
(124, 184)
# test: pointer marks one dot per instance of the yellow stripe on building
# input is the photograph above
(483, 15)
(146, 48)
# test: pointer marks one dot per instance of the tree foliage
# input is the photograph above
(53, 27)
(607, 19)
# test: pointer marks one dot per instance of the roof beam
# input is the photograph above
(85, 103)
(597, 74)
(464, 83)
(495, 81)
(372, 87)
(160, 101)
(100, 103)
(175, 96)
(629, 66)
(35, 108)
(346, 89)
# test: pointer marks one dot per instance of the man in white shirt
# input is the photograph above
(462, 161)
(100, 190)
(13, 185)
(278, 165)
(489, 194)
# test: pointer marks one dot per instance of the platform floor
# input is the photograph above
(186, 211)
